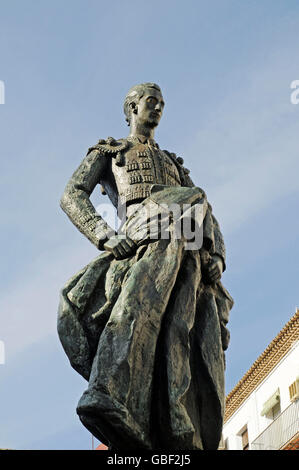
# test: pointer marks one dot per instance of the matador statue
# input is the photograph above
(145, 322)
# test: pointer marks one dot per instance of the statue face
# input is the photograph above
(150, 108)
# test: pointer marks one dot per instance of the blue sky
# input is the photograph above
(225, 68)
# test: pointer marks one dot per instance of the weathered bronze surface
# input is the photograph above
(145, 322)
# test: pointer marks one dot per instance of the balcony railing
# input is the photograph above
(281, 431)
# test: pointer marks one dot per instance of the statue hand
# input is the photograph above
(215, 268)
(120, 246)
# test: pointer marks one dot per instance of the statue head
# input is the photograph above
(144, 103)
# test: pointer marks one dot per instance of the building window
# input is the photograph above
(223, 444)
(245, 442)
(271, 407)
(294, 390)
(275, 411)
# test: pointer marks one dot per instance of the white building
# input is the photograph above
(262, 411)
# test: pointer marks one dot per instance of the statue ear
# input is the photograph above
(133, 107)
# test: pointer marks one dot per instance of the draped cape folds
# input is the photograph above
(149, 335)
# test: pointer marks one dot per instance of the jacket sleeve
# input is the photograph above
(75, 201)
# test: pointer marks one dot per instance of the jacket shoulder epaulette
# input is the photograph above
(110, 146)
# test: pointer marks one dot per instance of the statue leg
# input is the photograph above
(175, 415)
(119, 395)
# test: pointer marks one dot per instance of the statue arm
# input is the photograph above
(76, 203)
(219, 242)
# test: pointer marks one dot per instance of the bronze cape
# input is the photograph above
(149, 335)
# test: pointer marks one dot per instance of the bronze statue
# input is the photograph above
(145, 322)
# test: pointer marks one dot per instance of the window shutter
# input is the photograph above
(294, 390)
